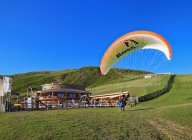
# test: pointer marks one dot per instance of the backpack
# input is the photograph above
(120, 104)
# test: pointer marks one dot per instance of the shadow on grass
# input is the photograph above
(141, 109)
(189, 98)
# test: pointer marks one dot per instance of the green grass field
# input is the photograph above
(166, 117)
(136, 87)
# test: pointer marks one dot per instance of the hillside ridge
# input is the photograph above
(88, 76)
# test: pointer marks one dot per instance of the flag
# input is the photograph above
(7, 84)
(1, 87)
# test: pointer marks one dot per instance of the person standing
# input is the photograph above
(127, 98)
(123, 104)
(123, 96)
(120, 104)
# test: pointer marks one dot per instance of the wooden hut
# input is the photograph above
(60, 94)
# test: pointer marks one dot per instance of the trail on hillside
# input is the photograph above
(179, 105)
(172, 130)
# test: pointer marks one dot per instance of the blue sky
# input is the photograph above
(40, 35)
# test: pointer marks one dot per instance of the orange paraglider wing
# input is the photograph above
(132, 42)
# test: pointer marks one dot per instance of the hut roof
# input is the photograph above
(64, 90)
(111, 95)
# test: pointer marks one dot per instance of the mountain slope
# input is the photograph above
(176, 105)
(180, 93)
(88, 76)
(137, 87)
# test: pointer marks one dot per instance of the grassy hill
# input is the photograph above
(166, 117)
(136, 87)
(171, 113)
(88, 76)
(175, 105)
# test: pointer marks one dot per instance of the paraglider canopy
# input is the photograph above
(132, 42)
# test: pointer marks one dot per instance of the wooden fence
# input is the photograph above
(158, 93)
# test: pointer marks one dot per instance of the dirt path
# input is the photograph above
(179, 105)
(172, 130)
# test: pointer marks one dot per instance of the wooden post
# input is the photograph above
(1, 103)
(24, 101)
(27, 92)
(66, 100)
(79, 99)
(53, 101)
(46, 105)
(17, 100)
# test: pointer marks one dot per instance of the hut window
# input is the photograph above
(61, 95)
(72, 95)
